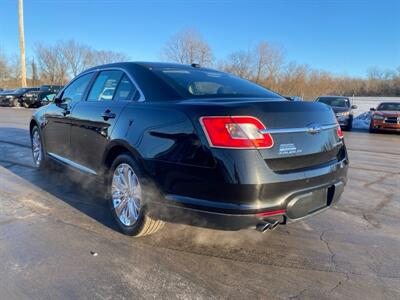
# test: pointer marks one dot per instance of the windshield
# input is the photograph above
(389, 106)
(212, 84)
(338, 102)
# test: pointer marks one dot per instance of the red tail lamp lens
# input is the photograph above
(339, 131)
(236, 132)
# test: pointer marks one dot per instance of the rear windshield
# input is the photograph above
(338, 102)
(211, 84)
(389, 106)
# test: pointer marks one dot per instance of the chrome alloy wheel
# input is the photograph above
(126, 194)
(36, 148)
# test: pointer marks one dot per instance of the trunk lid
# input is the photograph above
(304, 133)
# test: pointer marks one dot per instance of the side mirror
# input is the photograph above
(372, 109)
(354, 106)
(57, 100)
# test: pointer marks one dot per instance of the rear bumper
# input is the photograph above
(290, 201)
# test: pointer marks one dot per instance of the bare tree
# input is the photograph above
(10, 70)
(294, 80)
(105, 57)
(3, 66)
(268, 60)
(52, 65)
(239, 63)
(78, 57)
(187, 47)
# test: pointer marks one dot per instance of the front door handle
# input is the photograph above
(108, 115)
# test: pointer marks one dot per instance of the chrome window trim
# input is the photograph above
(141, 95)
(72, 164)
(61, 92)
(297, 130)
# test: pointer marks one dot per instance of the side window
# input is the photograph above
(126, 90)
(75, 91)
(105, 85)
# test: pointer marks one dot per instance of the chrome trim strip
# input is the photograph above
(72, 164)
(297, 130)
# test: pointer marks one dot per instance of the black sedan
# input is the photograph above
(193, 145)
(13, 98)
(342, 108)
(44, 95)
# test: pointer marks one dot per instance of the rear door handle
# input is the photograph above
(108, 115)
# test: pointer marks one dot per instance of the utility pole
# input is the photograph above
(22, 42)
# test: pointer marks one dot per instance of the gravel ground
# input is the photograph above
(58, 241)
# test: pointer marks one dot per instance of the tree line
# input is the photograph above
(265, 64)
(54, 64)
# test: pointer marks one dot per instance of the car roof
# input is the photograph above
(148, 65)
(344, 97)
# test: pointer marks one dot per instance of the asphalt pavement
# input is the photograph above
(57, 239)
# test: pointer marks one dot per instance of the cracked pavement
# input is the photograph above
(52, 223)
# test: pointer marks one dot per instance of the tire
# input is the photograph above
(40, 161)
(130, 215)
(15, 103)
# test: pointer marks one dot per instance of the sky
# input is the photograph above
(342, 37)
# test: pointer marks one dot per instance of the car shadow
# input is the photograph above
(80, 192)
(73, 188)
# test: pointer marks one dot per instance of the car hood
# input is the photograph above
(337, 109)
(7, 92)
(10, 94)
(389, 113)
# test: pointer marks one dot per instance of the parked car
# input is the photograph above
(343, 109)
(193, 145)
(13, 98)
(293, 98)
(107, 93)
(44, 95)
(386, 117)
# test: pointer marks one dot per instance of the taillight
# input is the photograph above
(339, 130)
(236, 132)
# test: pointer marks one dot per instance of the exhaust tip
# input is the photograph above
(274, 224)
(263, 226)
